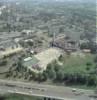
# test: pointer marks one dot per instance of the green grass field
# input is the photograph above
(82, 64)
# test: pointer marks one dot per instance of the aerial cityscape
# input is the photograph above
(48, 50)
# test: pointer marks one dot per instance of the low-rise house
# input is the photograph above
(9, 45)
(28, 32)
(86, 50)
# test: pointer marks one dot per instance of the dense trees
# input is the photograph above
(73, 19)
(60, 75)
(55, 72)
(89, 45)
(3, 62)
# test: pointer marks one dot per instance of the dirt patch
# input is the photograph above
(47, 56)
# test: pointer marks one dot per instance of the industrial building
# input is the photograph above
(63, 43)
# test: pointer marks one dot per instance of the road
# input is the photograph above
(57, 92)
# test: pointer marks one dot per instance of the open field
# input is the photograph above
(47, 56)
(78, 63)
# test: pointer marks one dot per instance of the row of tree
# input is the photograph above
(56, 74)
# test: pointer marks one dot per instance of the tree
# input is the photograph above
(3, 63)
(95, 91)
(92, 46)
(40, 77)
(52, 74)
(45, 76)
(61, 30)
(91, 80)
(88, 64)
(84, 46)
(30, 43)
(50, 71)
(60, 58)
(95, 59)
(20, 66)
(60, 75)
(57, 67)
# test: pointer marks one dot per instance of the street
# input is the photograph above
(49, 91)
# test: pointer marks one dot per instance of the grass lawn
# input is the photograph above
(82, 64)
